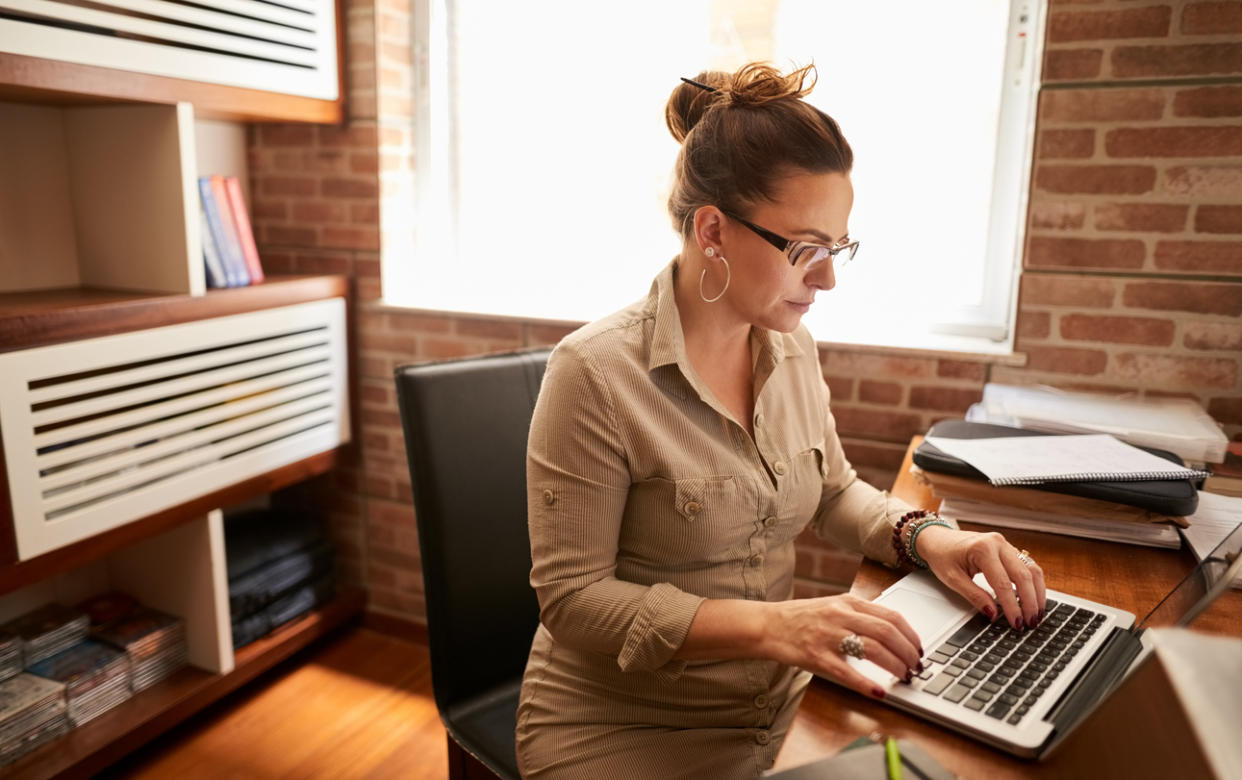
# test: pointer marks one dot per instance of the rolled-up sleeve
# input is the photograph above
(578, 479)
(852, 513)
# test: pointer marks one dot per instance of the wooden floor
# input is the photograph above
(358, 705)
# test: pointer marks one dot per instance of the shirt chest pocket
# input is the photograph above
(806, 483)
(683, 521)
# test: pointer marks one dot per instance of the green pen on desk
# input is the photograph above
(894, 759)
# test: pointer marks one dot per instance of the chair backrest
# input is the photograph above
(466, 423)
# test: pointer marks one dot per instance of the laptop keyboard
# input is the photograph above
(988, 667)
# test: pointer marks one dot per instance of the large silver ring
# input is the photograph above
(1026, 558)
(852, 645)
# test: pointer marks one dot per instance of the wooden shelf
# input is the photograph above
(41, 317)
(87, 750)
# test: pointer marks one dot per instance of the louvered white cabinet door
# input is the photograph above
(101, 432)
(286, 46)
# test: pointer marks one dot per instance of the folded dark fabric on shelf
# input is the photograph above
(256, 589)
(256, 538)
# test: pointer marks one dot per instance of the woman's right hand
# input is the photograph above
(807, 633)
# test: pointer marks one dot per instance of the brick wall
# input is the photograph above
(1132, 278)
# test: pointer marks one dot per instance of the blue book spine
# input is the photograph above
(232, 265)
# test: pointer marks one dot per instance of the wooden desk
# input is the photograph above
(1127, 576)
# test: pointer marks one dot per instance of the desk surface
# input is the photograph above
(1126, 576)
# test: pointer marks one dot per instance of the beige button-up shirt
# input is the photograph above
(646, 497)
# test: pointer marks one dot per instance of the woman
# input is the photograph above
(680, 446)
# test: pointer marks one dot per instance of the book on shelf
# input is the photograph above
(216, 276)
(229, 226)
(1226, 478)
(245, 235)
(1178, 425)
(229, 252)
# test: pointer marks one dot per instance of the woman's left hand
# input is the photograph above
(955, 557)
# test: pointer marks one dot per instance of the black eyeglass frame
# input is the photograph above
(788, 245)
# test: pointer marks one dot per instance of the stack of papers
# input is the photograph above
(1216, 518)
(1145, 534)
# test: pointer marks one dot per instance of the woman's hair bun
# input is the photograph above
(752, 85)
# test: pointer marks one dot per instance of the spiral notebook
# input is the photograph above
(1038, 460)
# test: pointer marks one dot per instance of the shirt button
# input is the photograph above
(756, 560)
(763, 737)
(549, 497)
(779, 467)
(761, 701)
(769, 521)
(693, 507)
(758, 420)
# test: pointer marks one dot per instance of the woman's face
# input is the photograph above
(767, 290)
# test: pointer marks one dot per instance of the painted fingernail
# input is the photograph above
(877, 692)
(920, 669)
(921, 653)
(1019, 624)
(909, 676)
(990, 611)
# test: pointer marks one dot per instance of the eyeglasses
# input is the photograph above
(803, 254)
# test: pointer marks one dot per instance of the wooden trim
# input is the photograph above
(391, 625)
(89, 749)
(43, 317)
(17, 575)
(36, 79)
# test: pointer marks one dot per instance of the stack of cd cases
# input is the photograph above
(155, 642)
(32, 712)
(96, 678)
(49, 630)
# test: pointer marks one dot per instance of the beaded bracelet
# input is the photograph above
(903, 557)
(915, 531)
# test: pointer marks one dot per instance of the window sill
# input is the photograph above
(965, 348)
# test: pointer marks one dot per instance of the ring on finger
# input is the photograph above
(1026, 558)
(852, 646)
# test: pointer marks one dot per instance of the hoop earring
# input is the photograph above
(728, 278)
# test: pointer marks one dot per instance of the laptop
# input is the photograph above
(1024, 692)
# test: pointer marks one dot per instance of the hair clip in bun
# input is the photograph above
(703, 87)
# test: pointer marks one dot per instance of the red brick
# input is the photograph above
(879, 392)
(325, 262)
(1209, 101)
(1101, 105)
(492, 329)
(1072, 64)
(961, 369)
(1059, 144)
(1174, 141)
(1218, 219)
(1200, 298)
(359, 136)
(1226, 410)
(1078, 291)
(1034, 324)
(1066, 360)
(538, 334)
(289, 236)
(1169, 372)
(1057, 215)
(1085, 253)
(350, 237)
(298, 186)
(1198, 59)
(1141, 217)
(440, 348)
(364, 213)
(872, 365)
(286, 135)
(420, 323)
(399, 343)
(375, 394)
(268, 209)
(840, 388)
(364, 162)
(350, 188)
(877, 424)
(1212, 18)
(319, 211)
(1149, 22)
(1119, 330)
(945, 399)
(1213, 256)
(1096, 179)
(1212, 335)
(1204, 181)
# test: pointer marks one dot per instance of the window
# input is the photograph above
(545, 164)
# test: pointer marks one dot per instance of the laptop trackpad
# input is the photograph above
(927, 611)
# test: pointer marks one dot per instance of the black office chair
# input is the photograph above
(466, 423)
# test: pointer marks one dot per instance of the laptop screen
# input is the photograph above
(1200, 588)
